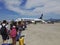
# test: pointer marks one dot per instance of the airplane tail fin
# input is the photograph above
(41, 16)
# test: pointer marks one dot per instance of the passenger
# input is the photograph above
(13, 34)
(25, 24)
(3, 30)
(22, 24)
(8, 29)
(19, 28)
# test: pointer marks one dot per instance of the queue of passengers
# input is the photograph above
(11, 31)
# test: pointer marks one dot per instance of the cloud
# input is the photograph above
(33, 7)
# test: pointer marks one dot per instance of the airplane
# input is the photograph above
(32, 20)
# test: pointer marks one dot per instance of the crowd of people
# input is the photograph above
(12, 30)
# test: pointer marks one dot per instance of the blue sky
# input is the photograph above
(12, 9)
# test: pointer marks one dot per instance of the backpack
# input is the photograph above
(13, 32)
(3, 30)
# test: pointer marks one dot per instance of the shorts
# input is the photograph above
(4, 37)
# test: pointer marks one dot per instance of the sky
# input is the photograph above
(13, 9)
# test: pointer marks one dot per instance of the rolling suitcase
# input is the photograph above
(21, 41)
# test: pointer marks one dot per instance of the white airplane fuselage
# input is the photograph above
(30, 19)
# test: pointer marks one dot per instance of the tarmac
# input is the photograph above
(41, 34)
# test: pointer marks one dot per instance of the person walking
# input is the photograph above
(19, 27)
(13, 34)
(3, 31)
